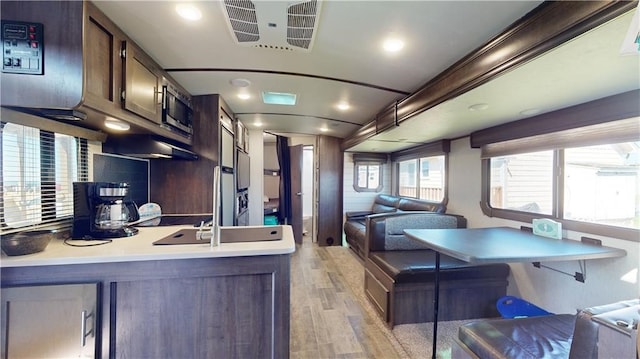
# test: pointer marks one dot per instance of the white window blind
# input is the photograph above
(38, 170)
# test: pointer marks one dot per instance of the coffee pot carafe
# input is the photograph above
(112, 215)
(100, 211)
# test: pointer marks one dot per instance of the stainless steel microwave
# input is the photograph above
(177, 112)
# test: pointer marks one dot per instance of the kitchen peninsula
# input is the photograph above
(169, 301)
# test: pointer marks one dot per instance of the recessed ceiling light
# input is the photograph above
(244, 96)
(478, 107)
(279, 98)
(240, 82)
(116, 125)
(323, 129)
(189, 11)
(343, 106)
(393, 44)
(257, 123)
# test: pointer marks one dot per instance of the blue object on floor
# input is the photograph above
(514, 307)
(270, 220)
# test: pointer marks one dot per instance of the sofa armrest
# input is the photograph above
(585, 335)
(357, 214)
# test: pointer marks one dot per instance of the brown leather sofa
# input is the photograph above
(606, 331)
(400, 273)
(383, 205)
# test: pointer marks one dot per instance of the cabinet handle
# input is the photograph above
(83, 328)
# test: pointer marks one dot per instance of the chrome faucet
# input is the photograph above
(213, 235)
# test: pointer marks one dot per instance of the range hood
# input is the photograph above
(146, 146)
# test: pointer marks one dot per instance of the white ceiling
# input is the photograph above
(346, 64)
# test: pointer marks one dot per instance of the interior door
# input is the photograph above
(295, 153)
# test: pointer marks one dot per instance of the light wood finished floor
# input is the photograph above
(327, 320)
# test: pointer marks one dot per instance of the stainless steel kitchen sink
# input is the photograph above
(227, 235)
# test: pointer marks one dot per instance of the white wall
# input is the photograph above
(256, 173)
(360, 201)
(607, 280)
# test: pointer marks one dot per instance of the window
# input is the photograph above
(523, 182)
(601, 184)
(367, 175)
(422, 178)
(38, 171)
(421, 171)
(579, 166)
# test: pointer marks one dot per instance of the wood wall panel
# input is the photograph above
(330, 168)
(187, 186)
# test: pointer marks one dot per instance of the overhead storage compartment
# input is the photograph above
(90, 68)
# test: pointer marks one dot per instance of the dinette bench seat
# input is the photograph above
(400, 274)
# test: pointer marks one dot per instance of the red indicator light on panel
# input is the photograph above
(32, 29)
(34, 44)
(32, 36)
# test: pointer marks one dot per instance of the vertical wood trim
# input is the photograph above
(330, 168)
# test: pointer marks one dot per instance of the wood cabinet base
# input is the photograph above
(189, 308)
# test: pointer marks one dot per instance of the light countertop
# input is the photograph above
(140, 248)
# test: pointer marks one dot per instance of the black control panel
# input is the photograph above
(22, 47)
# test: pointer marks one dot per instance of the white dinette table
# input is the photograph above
(501, 245)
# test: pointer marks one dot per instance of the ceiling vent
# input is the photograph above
(274, 25)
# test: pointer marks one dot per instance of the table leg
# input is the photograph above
(436, 300)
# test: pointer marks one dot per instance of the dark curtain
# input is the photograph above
(284, 160)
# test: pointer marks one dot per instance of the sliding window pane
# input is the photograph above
(407, 178)
(367, 177)
(523, 182)
(601, 184)
(66, 158)
(432, 178)
(21, 192)
(373, 175)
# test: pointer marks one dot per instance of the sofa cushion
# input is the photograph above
(355, 228)
(410, 204)
(534, 337)
(395, 226)
(413, 266)
(387, 200)
(381, 208)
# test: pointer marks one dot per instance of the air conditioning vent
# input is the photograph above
(241, 16)
(301, 20)
(273, 25)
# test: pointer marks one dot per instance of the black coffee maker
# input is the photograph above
(100, 211)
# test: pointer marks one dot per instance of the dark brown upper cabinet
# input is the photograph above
(87, 75)
(102, 80)
(143, 79)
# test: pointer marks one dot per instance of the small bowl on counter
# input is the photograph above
(28, 242)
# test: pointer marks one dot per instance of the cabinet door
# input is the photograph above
(211, 317)
(102, 62)
(142, 84)
(55, 321)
